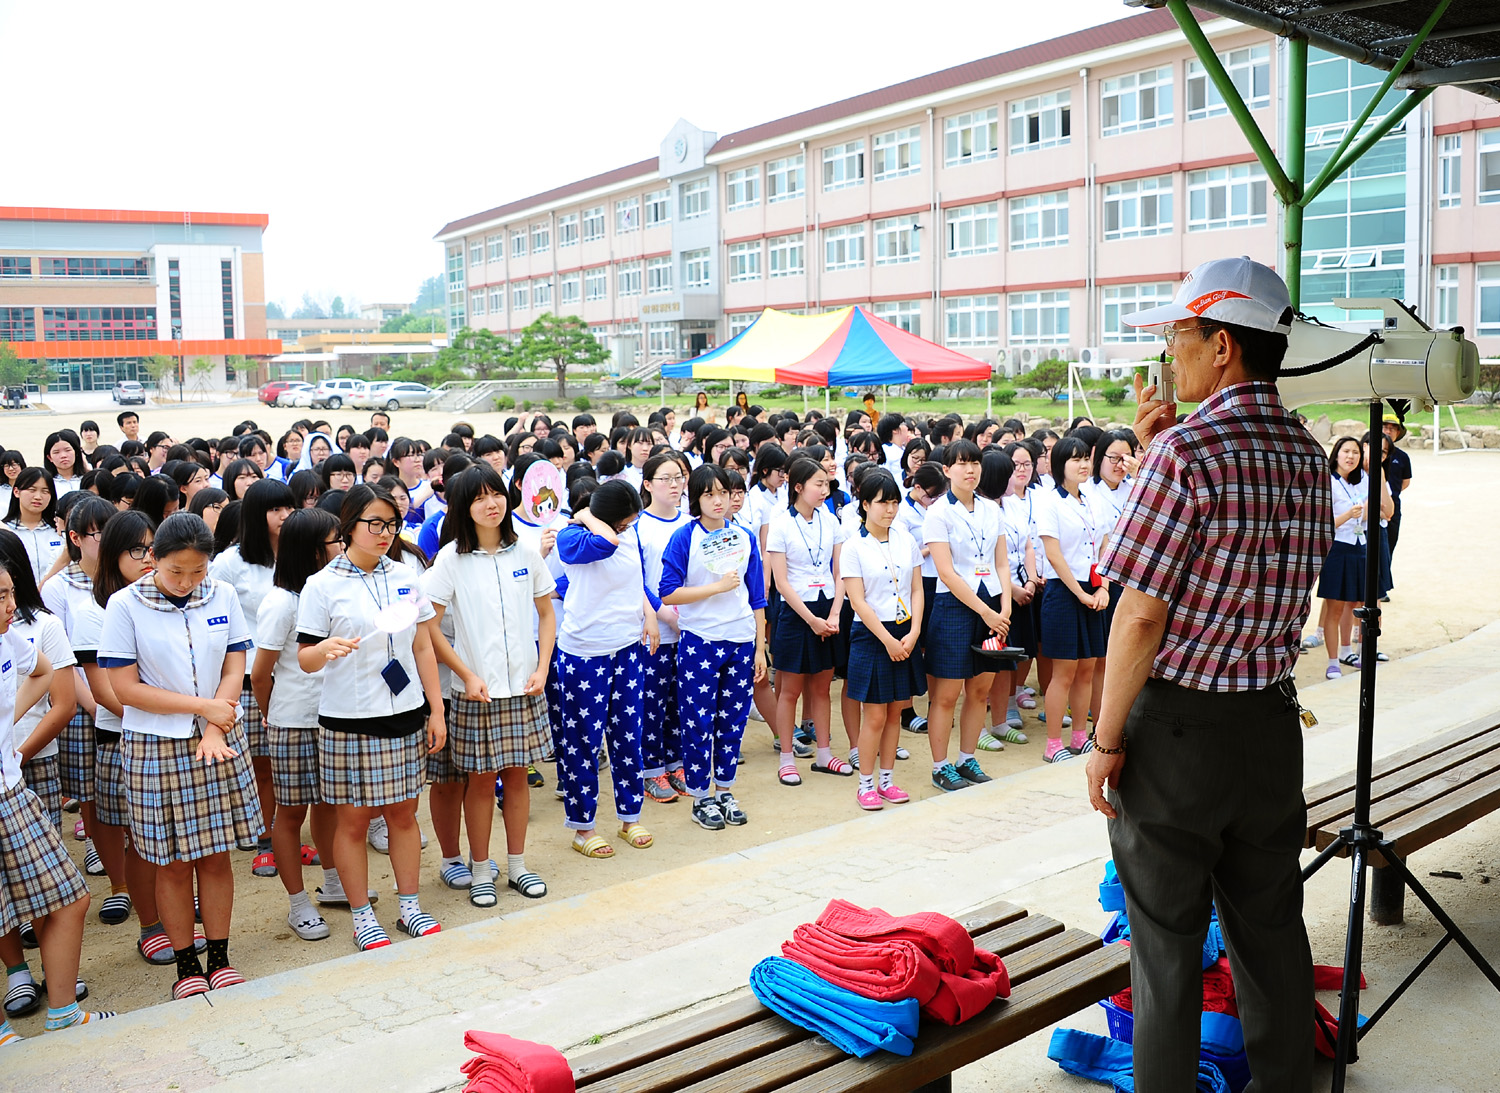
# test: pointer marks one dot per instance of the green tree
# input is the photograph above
(560, 342)
(477, 352)
(161, 368)
(273, 310)
(1489, 382)
(413, 324)
(14, 372)
(429, 296)
(309, 308)
(336, 309)
(1050, 376)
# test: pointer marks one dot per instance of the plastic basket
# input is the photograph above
(1235, 1068)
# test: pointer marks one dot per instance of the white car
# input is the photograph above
(387, 395)
(331, 394)
(289, 395)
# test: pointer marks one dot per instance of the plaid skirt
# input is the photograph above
(501, 733)
(75, 756)
(41, 777)
(440, 766)
(294, 765)
(110, 806)
(255, 724)
(370, 771)
(183, 809)
(874, 677)
(37, 876)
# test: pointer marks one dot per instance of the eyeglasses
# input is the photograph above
(91, 534)
(138, 552)
(333, 542)
(1169, 333)
(378, 527)
(669, 479)
(1114, 460)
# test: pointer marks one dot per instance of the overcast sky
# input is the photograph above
(362, 128)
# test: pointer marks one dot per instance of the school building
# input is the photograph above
(1012, 208)
(95, 292)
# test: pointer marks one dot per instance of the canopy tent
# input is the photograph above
(847, 347)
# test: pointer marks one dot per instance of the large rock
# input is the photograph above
(1321, 429)
(1348, 427)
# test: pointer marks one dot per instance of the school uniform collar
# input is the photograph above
(76, 577)
(146, 592)
(344, 566)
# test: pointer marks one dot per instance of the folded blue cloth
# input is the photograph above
(1111, 892)
(1221, 1034)
(1110, 1061)
(848, 1021)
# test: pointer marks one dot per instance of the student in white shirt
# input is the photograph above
(33, 517)
(665, 482)
(1341, 583)
(722, 619)
(174, 647)
(881, 568)
(1106, 491)
(12, 463)
(489, 584)
(996, 478)
(248, 567)
(308, 541)
(637, 450)
(927, 484)
(1075, 599)
(964, 533)
(599, 664)
(380, 712)
(802, 549)
(62, 455)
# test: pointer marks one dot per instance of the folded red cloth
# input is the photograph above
(1326, 977)
(885, 970)
(939, 936)
(507, 1065)
(1218, 990)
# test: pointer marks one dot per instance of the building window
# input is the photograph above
(974, 229)
(476, 302)
(658, 275)
(742, 188)
(88, 267)
(744, 261)
(567, 230)
(740, 322)
(628, 279)
(785, 178)
(226, 296)
(1227, 197)
(595, 283)
(1250, 71)
(541, 294)
(17, 324)
(695, 265)
(520, 296)
(1487, 289)
(1446, 299)
(457, 314)
(494, 247)
(497, 301)
(898, 153)
(692, 199)
(476, 253)
(906, 314)
(1139, 101)
(844, 165)
(844, 248)
(658, 207)
(627, 215)
(174, 289)
(1450, 170)
(969, 138)
(1489, 167)
(541, 238)
(1126, 300)
(1038, 318)
(15, 267)
(897, 240)
(1040, 220)
(518, 243)
(972, 320)
(570, 285)
(788, 256)
(661, 339)
(593, 224)
(98, 324)
(1141, 206)
(1042, 121)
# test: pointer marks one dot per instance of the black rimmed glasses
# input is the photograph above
(378, 527)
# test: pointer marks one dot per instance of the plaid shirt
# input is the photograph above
(1229, 521)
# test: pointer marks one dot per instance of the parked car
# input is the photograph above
(289, 395)
(269, 391)
(128, 391)
(394, 396)
(331, 394)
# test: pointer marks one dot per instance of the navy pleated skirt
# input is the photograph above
(1070, 631)
(1343, 576)
(795, 648)
(874, 676)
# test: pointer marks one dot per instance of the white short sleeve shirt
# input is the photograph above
(17, 659)
(971, 538)
(252, 583)
(1074, 526)
(808, 546)
(889, 570)
(47, 634)
(294, 694)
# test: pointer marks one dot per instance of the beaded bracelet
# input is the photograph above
(1102, 750)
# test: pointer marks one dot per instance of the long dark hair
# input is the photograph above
(17, 563)
(1333, 465)
(463, 490)
(124, 530)
(69, 437)
(26, 479)
(234, 470)
(153, 495)
(995, 471)
(798, 472)
(301, 553)
(255, 536)
(614, 502)
(88, 515)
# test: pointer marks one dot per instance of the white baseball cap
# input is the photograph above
(1231, 290)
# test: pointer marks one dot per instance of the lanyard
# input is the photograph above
(1352, 496)
(817, 558)
(893, 571)
(1088, 523)
(390, 641)
(977, 537)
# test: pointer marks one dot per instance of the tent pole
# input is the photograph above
(885, 398)
(804, 400)
(827, 394)
(989, 398)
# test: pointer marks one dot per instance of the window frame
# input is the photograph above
(628, 215)
(1251, 176)
(1056, 302)
(656, 283)
(1032, 111)
(567, 230)
(694, 199)
(970, 123)
(844, 241)
(793, 244)
(1051, 206)
(888, 145)
(791, 169)
(1160, 87)
(745, 262)
(628, 279)
(901, 235)
(697, 268)
(978, 306)
(839, 160)
(657, 209)
(1163, 190)
(973, 215)
(1255, 56)
(594, 225)
(742, 188)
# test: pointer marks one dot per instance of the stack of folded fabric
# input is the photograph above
(861, 977)
(507, 1065)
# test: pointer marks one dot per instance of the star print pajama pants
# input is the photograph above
(714, 681)
(661, 731)
(600, 699)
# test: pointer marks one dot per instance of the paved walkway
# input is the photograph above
(572, 971)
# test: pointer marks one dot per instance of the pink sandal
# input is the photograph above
(835, 766)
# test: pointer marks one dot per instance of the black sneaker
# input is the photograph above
(730, 809)
(534, 778)
(947, 778)
(970, 772)
(706, 814)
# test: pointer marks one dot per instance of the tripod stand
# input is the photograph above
(1361, 839)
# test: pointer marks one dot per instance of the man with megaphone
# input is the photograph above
(1218, 550)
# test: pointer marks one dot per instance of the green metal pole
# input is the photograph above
(1232, 100)
(1382, 130)
(1296, 163)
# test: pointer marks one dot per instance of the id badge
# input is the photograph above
(395, 676)
(981, 571)
(902, 613)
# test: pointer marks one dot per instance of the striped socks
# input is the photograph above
(67, 1017)
(9, 1035)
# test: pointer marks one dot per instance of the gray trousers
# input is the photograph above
(1211, 809)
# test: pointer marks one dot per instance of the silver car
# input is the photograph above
(395, 396)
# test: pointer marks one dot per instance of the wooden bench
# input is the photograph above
(742, 1047)
(1417, 797)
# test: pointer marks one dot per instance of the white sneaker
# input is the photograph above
(755, 714)
(379, 837)
(310, 927)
